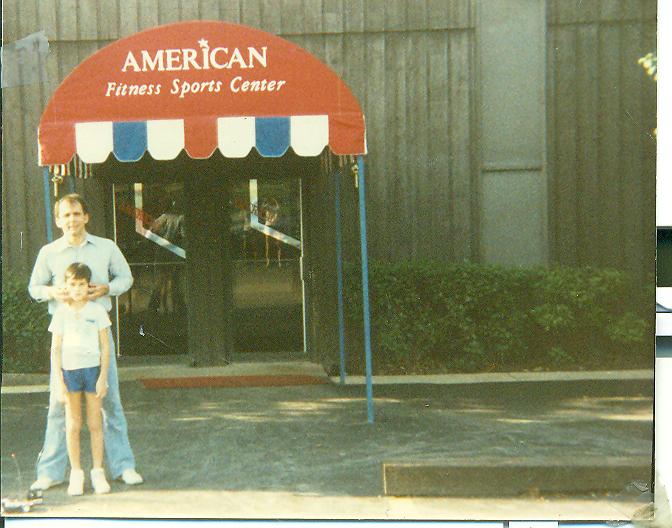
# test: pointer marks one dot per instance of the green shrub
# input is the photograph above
(446, 317)
(24, 328)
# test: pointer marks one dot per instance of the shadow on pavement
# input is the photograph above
(315, 440)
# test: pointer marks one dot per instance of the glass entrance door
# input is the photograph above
(266, 251)
(150, 231)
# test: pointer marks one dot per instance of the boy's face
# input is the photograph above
(78, 289)
(71, 219)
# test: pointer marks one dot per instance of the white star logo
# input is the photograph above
(203, 43)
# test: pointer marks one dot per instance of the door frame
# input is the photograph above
(296, 181)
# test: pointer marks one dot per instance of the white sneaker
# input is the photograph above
(44, 483)
(76, 486)
(131, 477)
(99, 482)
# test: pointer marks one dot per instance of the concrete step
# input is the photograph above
(516, 477)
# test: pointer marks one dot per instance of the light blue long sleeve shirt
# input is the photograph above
(107, 263)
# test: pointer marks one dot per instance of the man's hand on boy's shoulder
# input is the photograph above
(98, 290)
(60, 293)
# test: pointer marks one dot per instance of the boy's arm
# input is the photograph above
(101, 384)
(56, 362)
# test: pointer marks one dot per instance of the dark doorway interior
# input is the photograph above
(215, 250)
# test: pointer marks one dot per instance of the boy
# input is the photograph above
(80, 357)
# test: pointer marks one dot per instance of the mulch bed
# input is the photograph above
(231, 381)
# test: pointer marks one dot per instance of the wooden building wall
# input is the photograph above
(601, 114)
(413, 66)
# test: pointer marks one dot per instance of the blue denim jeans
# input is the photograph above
(52, 461)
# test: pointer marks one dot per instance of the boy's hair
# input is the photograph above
(78, 271)
(72, 198)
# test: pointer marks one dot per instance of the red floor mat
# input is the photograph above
(231, 381)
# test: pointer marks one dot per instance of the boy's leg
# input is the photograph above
(118, 451)
(94, 422)
(73, 427)
(53, 458)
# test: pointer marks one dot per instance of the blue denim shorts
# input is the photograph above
(81, 380)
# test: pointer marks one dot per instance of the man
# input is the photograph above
(111, 276)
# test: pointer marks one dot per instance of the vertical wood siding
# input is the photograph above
(601, 152)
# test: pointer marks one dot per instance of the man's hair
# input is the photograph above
(78, 271)
(72, 198)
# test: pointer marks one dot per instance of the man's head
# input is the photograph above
(71, 198)
(71, 215)
(77, 278)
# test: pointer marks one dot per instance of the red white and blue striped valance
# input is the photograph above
(234, 137)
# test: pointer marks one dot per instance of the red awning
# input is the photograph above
(199, 86)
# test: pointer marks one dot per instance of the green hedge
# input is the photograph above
(436, 317)
(441, 317)
(25, 340)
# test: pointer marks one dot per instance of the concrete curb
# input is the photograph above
(515, 477)
(502, 377)
(273, 506)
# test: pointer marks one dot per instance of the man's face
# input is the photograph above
(71, 219)
(78, 289)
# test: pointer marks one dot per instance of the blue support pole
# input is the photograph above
(47, 204)
(365, 288)
(339, 276)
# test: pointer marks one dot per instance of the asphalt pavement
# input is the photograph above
(309, 451)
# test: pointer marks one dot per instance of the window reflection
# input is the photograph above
(151, 232)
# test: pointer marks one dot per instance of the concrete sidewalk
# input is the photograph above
(308, 451)
(207, 504)
(20, 383)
